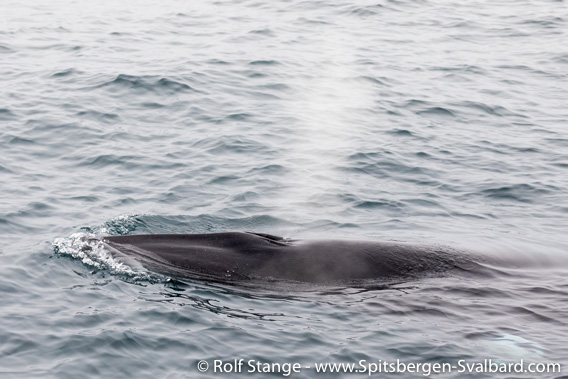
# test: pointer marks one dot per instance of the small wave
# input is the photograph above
(144, 84)
(264, 32)
(9, 226)
(462, 68)
(264, 63)
(64, 73)
(436, 111)
(228, 145)
(272, 169)
(106, 160)
(280, 87)
(518, 192)
(5, 170)
(238, 117)
(401, 132)
(561, 58)
(218, 61)
(312, 21)
(152, 105)
(428, 109)
(382, 81)
(106, 118)
(246, 196)
(20, 141)
(547, 22)
(378, 204)
(226, 179)
(5, 49)
(365, 11)
(6, 114)
(495, 110)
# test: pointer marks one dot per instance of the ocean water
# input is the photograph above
(430, 121)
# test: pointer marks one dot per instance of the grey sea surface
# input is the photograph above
(430, 121)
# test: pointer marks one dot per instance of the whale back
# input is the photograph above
(237, 256)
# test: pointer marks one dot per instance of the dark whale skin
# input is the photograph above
(240, 255)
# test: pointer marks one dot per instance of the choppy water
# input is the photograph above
(426, 121)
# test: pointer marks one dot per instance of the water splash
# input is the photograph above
(92, 252)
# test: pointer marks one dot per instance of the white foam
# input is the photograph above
(90, 249)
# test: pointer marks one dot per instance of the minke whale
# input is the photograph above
(248, 256)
